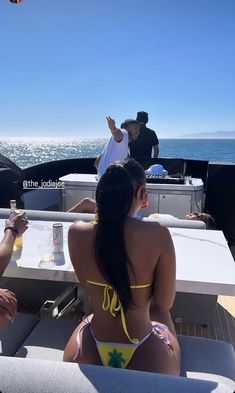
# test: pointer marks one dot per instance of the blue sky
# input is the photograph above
(66, 64)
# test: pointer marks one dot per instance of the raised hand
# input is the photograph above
(117, 134)
(19, 222)
(111, 123)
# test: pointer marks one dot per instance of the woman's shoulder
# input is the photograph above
(156, 227)
(149, 226)
(81, 226)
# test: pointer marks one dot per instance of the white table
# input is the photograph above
(205, 269)
(29, 264)
(175, 199)
(204, 262)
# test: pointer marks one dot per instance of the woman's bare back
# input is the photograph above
(150, 250)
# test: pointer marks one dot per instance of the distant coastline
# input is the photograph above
(82, 140)
(210, 135)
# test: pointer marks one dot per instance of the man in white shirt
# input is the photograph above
(117, 146)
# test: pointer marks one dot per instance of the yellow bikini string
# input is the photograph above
(113, 305)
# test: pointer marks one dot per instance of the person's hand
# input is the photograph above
(194, 216)
(117, 134)
(111, 123)
(8, 306)
(19, 222)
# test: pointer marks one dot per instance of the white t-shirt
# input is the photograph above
(113, 151)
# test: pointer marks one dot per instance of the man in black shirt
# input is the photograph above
(147, 139)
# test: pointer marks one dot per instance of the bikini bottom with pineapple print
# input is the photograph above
(119, 355)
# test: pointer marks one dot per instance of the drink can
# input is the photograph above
(58, 237)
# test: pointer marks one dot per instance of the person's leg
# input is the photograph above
(165, 318)
(86, 205)
(81, 347)
(159, 353)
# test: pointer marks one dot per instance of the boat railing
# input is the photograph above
(45, 215)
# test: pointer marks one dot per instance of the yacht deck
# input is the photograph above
(223, 326)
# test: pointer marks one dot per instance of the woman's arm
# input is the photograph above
(74, 244)
(165, 274)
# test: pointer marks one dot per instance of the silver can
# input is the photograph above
(58, 237)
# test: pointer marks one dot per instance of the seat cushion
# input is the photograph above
(48, 339)
(207, 359)
(12, 335)
(43, 376)
(173, 222)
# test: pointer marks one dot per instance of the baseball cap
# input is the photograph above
(142, 117)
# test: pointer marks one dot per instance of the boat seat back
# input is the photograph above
(44, 376)
(13, 335)
(200, 358)
(86, 217)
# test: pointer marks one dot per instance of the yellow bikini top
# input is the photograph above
(112, 304)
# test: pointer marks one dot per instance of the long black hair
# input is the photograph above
(114, 195)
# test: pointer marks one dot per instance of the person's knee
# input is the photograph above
(89, 205)
(85, 205)
(88, 201)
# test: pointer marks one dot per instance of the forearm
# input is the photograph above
(164, 303)
(117, 134)
(97, 161)
(156, 151)
(6, 248)
(164, 294)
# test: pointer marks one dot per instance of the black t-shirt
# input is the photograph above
(142, 146)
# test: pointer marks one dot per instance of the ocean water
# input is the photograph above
(29, 152)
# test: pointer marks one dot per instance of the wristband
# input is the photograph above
(13, 229)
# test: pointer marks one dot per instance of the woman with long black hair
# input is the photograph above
(125, 263)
